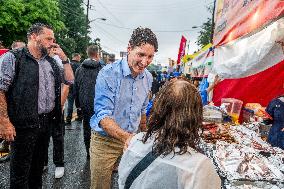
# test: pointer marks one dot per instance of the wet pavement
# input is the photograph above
(77, 170)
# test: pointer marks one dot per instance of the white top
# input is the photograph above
(187, 171)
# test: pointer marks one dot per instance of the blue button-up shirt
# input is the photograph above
(120, 96)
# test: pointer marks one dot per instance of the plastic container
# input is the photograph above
(248, 115)
(233, 107)
(212, 114)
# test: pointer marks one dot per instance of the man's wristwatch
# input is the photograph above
(66, 61)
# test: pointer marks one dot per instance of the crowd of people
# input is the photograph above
(35, 81)
(159, 150)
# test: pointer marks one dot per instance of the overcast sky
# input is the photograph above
(169, 19)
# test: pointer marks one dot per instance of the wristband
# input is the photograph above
(66, 61)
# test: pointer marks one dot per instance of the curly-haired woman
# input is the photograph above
(172, 140)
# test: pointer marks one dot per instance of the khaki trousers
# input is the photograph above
(104, 152)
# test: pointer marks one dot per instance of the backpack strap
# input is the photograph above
(139, 168)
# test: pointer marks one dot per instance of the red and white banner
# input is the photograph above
(259, 88)
(247, 53)
(181, 50)
(250, 54)
(236, 18)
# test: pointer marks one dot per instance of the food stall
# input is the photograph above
(242, 157)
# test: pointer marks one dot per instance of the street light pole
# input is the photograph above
(87, 20)
(194, 27)
(87, 16)
(87, 24)
(103, 19)
(213, 23)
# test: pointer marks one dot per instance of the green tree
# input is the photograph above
(205, 33)
(75, 37)
(206, 29)
(153, 67)
(18, 15)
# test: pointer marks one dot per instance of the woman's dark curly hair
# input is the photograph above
(175, 118)
(141, 36)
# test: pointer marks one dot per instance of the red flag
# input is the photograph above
(2, 51)
(181, 50)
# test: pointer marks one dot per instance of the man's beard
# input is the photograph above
(43, 50)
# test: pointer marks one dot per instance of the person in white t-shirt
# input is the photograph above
(173, 127)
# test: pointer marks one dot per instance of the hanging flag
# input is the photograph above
(2, 51)
(181, 50)
(201, 65)
(247, 51)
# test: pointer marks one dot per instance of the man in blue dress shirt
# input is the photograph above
(121, 98)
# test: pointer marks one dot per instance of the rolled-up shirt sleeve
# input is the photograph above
(104, 98)
(7, 70)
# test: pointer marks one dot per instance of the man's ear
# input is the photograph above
(97, 56)
(129, 49)
(33, 37)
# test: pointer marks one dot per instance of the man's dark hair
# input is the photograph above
(37, 29)
(75, 54)
(111, 57)
(175, 118)
(141, 36)
(154, 74)
(92, 50)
